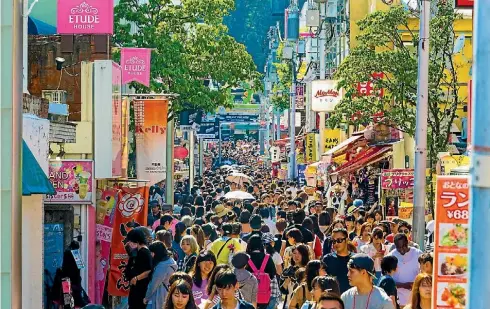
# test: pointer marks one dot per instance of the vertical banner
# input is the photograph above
(332, 138)
(450, 285)
(135, 63)
(151, 139)
(310, 147)
(116, 121)
(301, 173)
(125, 138)
(130, 212)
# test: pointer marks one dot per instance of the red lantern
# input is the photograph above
(180, 152)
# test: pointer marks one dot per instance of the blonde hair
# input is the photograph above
(191, 240)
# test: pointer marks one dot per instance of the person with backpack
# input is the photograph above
(163, 267)
(225, 246)
(262, 266)
(248, 282)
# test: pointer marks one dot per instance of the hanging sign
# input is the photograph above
(465, 3)
(332, 138)
(136, 63)
(450, 286)
(275, 153)
(151, 139)
(130, 212)
(85, 17)
(325, 95)
(72, 180)
(310, 147)
(397, 179)
(78, 258)
(300, 96)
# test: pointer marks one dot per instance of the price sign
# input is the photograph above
(103, 233)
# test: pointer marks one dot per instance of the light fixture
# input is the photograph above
(62, 152)
(59, 63)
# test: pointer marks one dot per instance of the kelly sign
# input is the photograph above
(85, 17)
(325, 95)
(135, 63)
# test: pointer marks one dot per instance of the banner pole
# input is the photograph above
(169, 179)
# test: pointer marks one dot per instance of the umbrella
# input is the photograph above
(239, 195)
(239, 178)
(225, 167)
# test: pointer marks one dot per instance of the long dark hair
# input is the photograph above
(313, 270)
(212, 278)
(328, 232)
(183, 287)
(255, 244)
(305, 254)
(202, 257)
(179, 229)
(160, 254)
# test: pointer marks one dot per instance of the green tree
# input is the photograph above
(383, 49)
(190, 44)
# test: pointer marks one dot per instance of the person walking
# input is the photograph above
(337, 261)
(421, 292)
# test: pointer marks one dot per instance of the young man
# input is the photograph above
(330, 301)
(408, 267)
(337, 261)
(389, 265)
(247, 282)
(405, 228)
(426, 261)
(227, 286)
(364, 294)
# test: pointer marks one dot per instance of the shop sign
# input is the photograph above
(136, 63)
(332, 138)
(239, 118)
(450, 286)
(116, 121)
(275, 153)
(397, 179)
(301, 173)
(207, 130)
(368, 89)
(465, 3)
(300, 97)
(325, 95)
(85, 17)
(311, 147)
(72, 180)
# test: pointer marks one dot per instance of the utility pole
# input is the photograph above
(421, 126)
(479, 285)
(169, 178)
(292, 124)
(321, 46)
(192, 170)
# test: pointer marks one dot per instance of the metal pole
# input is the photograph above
(25, 19)
(169, 181)
(191, 159)
(321, 46)
(278, 125)
(16, 198)
(479, 285)
(421, 126)
(219, 143)
(292, 125)
(201, 156)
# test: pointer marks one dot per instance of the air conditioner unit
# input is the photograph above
(55, 96)
(313, 18)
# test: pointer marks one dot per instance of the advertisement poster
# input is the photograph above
(151, 139)
(332, 138)
(72, 180)
(310, 148)
(450, 285)
(301, 173)
(135, 64)
(397, 179)
(131, 211)
(397, 190)
(85, 17)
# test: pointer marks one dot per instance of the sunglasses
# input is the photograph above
(338, 240)
(404, 231)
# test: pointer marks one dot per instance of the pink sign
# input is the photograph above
(135, 63)
(85, 17)
(72, 180)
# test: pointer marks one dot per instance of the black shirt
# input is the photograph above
(141, 263)
(337, 267)
(257, 258)
(246, 237)
(388, 285)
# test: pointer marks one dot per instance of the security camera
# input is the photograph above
(59, 63)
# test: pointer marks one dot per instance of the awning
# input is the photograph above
(38, 27)
(367, 157)
(34, 180)
(342, 145)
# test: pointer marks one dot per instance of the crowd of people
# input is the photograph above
(282, 249)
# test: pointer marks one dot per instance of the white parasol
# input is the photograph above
(239, 178)
(239, 195)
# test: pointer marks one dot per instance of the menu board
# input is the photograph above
(450, 285)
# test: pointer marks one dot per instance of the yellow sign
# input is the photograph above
(405, 211)
(332, 138)
(310, 148)
(448, 163)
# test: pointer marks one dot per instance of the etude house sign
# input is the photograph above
(85, 17)
(135, 64)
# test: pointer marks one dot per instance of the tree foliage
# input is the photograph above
(388, 45)
(190, 44)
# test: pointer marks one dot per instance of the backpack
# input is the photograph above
(264, 288)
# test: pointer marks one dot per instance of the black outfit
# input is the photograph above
(136, 266)
(307, 234)
(187, 264)
(327, 245)
(246, 237)
(337, 267)
(152, 218)
(278, 242)
(257, 258)
(389, 286)
(352, 235)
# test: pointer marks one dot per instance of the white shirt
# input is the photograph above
(408, 269)
(370, 250)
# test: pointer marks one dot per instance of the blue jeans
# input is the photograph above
(273, 303)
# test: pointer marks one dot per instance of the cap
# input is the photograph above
(227, 228)
(255, 222)
(221, 211)
(362, 261)
(154, 204)
(267, 238)
(240, 260)
(358, 202)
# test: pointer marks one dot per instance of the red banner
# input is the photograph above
(397, 179)
(450, 285)
(465, 3)
(130, 211)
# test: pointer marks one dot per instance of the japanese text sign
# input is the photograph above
(85, 17)
(310, 147)
(451, 242)
(136, 63)
(368, 88)
(72, 180)
(325, 95)
(397, 179)
(300, 96)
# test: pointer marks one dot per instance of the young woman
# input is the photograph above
(289, 279)
(213, 297)
(180, 229)
(376, 250)
(198, 234)
(320, 285)
(205, 264)
(311, 224)
(365, 236)
(163, 267)
(180, 296)
(302, 293)
(421, 292)
(269, 243)
(191, 249)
